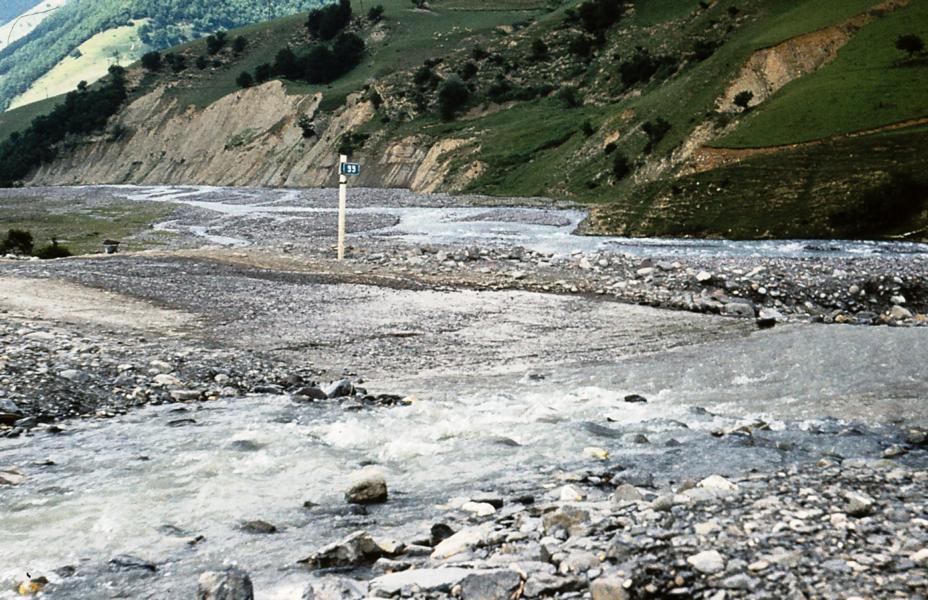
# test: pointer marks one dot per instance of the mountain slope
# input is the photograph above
(167, 22)
(635, 117)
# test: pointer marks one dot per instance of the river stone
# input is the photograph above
(608, 588)
(11, 476)
(369, 487)
(339, 389)
(708, 562)
(460, 542)
(258, 527)
(311, 392)
(490, 585)
(565, 518)
(742, 309)
(439, 533)
(858, 504)
(480, 509)
(425, 580)
(357, 549)
(229, 584)
(626, 493)
(336, 588)
(635, 399)
(718, 486)
(899, 313)
(128, 562)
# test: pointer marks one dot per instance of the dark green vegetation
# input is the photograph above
(599, 101)
(21, 243)
(84, 111)
(77, 225)
(169, 22)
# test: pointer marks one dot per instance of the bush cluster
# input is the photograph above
(325, 23)
(83, 111)
(21, 242)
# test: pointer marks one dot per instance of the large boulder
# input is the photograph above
(357, 549)
(336, 588)
(228, 584)
(368, 487)
(497, 584)
(339, 389)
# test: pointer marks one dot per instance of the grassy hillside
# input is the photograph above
(117, 46)
(867, 86)
(554, 104)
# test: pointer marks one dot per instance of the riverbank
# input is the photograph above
(536, 410)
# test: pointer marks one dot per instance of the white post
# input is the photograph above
(342, 201)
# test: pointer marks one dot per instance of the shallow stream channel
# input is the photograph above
(139, 505)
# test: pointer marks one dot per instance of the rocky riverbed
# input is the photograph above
(488, 413)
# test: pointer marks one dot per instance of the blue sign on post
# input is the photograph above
(351, 169)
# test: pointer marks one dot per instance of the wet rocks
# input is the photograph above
(357, 549)
(258, 527)
(228, 584)
(11, 476)
(339, 389)
(462, 541)
(635, 399)
(336, 588)
(418, 580)
(369, 486)
(609, 588)
(129, 562)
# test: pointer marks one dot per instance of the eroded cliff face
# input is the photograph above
(250, 137)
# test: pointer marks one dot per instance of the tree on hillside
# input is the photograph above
(621, 166)
(216, 42)
(655, 130)
(17, 241)
(151, 61)
(743, 99)
(325, 23)
(263, 72)
(239, 44)
(375, 14)
(600, 15)
(245, 80)
(539, 49)
(286, 65)
(452, 95)
(910, 43)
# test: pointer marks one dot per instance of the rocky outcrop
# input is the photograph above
(250, 137)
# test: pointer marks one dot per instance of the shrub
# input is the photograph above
(539, 49)
(424, 77)
(349, 50)
(452, 95)
(202, 62)
(320, 64)
(655, 130)
(216, 42)
(151, 61)
(910, 43)
(53, 250)
(600, 15)
(286, 65)
(17, 241)
(478, 53)
(581, 46)
(306, 125)
(621, 166)
(245, 80)
(703, 49)
(375, 98)
(375, 14)
(418, 3)
(468, 70)
(239, 44)
(610, 148)
(643, 67)
(743, 99)
(350, 142)
(178, 62)
(325, 23)
(587, 128)
(570, 96)
(263, 72)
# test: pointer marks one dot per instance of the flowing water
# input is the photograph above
(137, 485)
(436, 220)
